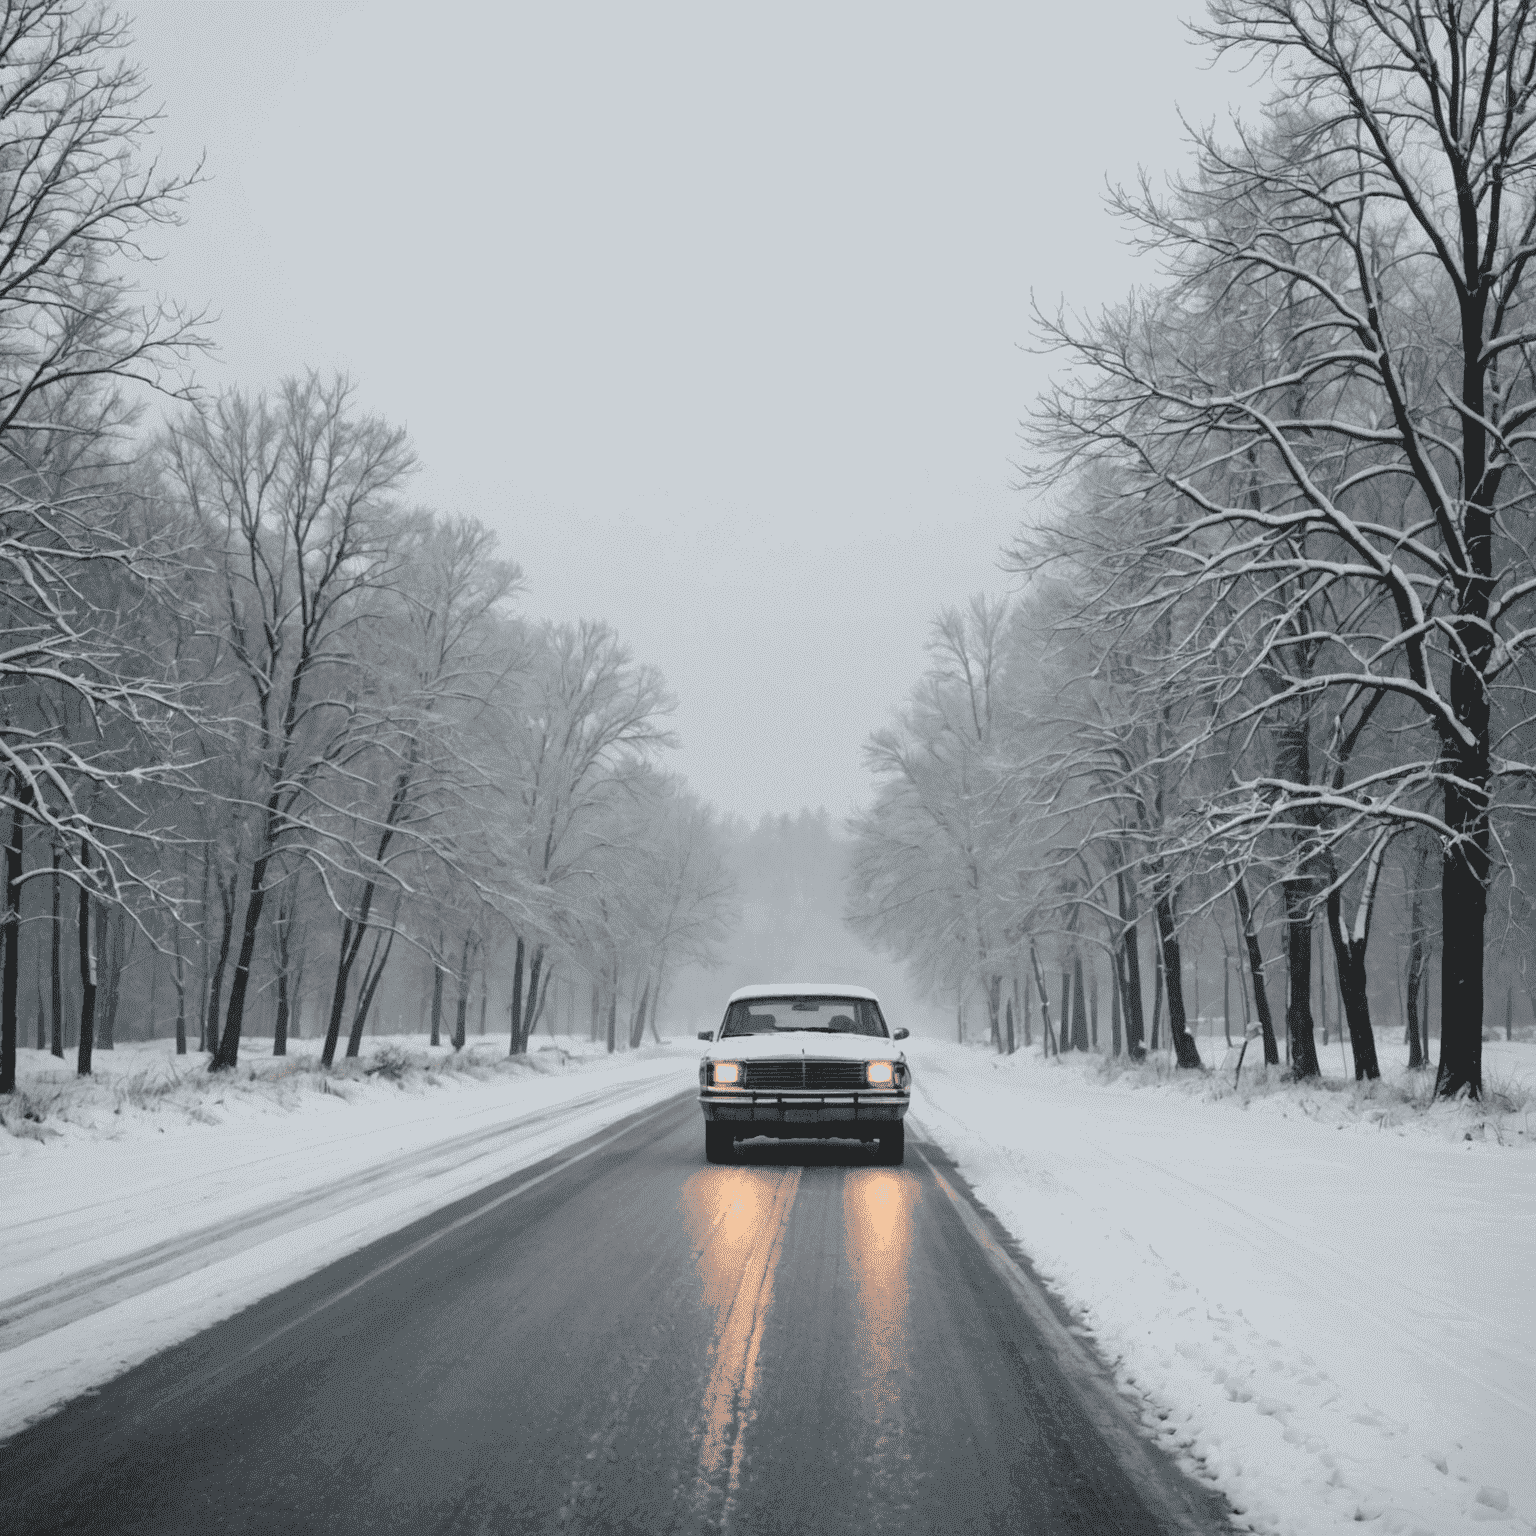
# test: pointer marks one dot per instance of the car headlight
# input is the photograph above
(727, 1074)
(880, 1074)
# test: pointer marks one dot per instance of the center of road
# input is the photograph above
(743, 1214)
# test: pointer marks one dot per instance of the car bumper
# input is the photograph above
(811, 1114)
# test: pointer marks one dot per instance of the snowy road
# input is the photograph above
(625, 1339)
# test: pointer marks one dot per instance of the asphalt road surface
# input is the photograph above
(623, 1339)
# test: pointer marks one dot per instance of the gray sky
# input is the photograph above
(716, 313)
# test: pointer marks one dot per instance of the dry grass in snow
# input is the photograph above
(144, 1087)
(1400, 1101)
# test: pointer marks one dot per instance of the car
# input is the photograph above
(804, 1059)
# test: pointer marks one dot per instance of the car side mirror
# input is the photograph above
(901, 1034)
(706, 1034)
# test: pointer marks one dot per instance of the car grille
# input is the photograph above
(766, 1076)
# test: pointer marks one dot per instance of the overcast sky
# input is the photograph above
(716, 313)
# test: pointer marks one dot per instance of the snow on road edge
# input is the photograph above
(68, 1207)
(1329, 1322)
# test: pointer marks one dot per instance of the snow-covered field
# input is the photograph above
(151, 1201)
(1324, 1297)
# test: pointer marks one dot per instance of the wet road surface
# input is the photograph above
(629, 1340)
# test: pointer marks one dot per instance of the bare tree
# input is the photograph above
(294, 492)
(584, 716)
(446, 656)
(1345, 415)
(75, 204)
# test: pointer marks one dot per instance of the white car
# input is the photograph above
(804, 1059)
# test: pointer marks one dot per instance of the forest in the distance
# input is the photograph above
(271, 731)
(1268, 675)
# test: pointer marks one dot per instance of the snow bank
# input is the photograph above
(1320, 1296)
(144, 1088)
(155, 1200)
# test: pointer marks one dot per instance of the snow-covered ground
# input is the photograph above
(1324, 1297)
(150, 1202)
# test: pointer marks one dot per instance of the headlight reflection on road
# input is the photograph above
(736, 1218)
(877, 1221)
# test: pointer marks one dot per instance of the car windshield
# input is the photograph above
(825, 1015)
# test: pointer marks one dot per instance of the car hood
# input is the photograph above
(810, 1044)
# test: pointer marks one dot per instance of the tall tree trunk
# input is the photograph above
(1298, 1006)
(1008, 1015)
(515, 1007)
(438, 973)
(55, 934)
(1416, 1055)
(637, 1019)
(466, 980)
(87, 967)
(1293, 761)
(1349, 958)
(1093, 1005)
(1226, 997)
(485, 983)
(296, 990)
(1066, 1010)
(354, 926)
(179, 975)
(1047, 1039)
(228, 1055)
(1157, 1000)
(1117, 978)
(280, 1023)
(110, 949)
(1135, 1019)
(1464, 875)
(613, 1012)
(535, 1001)
(373, 973)
(282, 932)
(1079, 1006)
(1256, 972)
(1349, 961)
(10, 972)
(1186, 1053)
(353, 931)
(216, 984)
(1424, 1014)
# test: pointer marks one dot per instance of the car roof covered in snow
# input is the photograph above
(801, 989)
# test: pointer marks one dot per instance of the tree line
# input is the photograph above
(1269, 664)
(270, 731)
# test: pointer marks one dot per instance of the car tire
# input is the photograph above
(893, 1145)
(719, 1143)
